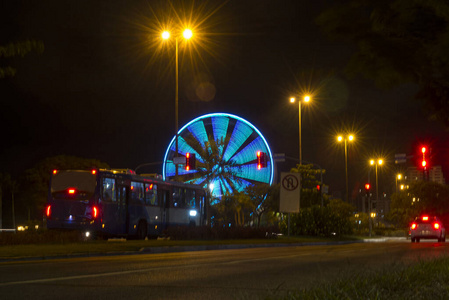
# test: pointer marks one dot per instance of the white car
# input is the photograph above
(427, 227)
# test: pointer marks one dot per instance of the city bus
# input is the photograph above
(120, 203)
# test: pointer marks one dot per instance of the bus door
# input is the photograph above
(165, 205)
(122, 210)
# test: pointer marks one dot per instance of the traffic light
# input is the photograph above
(261, 160)
(367, 187)
(424, 160)
(190, 161)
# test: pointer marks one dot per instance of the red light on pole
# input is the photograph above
(261, 160)
(367, 187)
(423, 150)
(190, 161)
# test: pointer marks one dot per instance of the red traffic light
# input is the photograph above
(367, 186)
(190, 161)
(423, 149)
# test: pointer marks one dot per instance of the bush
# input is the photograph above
(333, 219)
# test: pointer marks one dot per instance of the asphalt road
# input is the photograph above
(219, 274)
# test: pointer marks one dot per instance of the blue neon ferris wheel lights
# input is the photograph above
(232, 142)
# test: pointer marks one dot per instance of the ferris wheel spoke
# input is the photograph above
(198, 130)
(220, 129)
(239, 136)
(251, 172)
(249, 153)
(184, 147)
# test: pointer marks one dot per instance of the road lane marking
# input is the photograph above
(82, 276)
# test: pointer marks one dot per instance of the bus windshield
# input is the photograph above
(73, 184)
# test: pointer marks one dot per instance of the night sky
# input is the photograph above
(104, 87)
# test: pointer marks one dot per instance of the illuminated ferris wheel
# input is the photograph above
(226, 148)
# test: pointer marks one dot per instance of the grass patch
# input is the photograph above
(423, 280)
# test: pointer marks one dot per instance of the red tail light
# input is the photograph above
(94, 172)
(436, 225)
(94, 212)
(414, 226)
(425, 218)
(48, 211)
(71, 191)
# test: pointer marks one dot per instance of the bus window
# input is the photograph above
(178, 199)
(137, 191)
(109, 190)
(82, 183)
(151, 194)
(190, 198)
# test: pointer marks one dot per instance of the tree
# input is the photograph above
(213, 166)
(265, 199)
(310, 178)
(5, 181)
(421, 197)
(18, 49)
(398, 41)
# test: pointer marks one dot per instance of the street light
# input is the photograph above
(398, 178)
(346, 139)
(187, 34)
(306, 98)
(379, 162)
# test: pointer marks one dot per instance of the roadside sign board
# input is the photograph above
(179, 160)
(290, 187)
(400, 158)
(279, 157)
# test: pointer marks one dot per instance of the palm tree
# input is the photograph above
(212, 167)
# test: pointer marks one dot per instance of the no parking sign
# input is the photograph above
(290, 196)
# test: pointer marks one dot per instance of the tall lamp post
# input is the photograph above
(186, 34)
(376, 163)
(398, 178)
(346, 139)
(306, 98)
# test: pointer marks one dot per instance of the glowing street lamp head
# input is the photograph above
(380, 161)
(306, 98)
(371, 162)
(165, 35)
(292, 99)
(339, 138)
(187, 34)
(350, 137)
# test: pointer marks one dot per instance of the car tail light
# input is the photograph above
(48, 211)
(425, 218)
(436, 225)
(71, 191)
(94, 172)
(414, 226)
